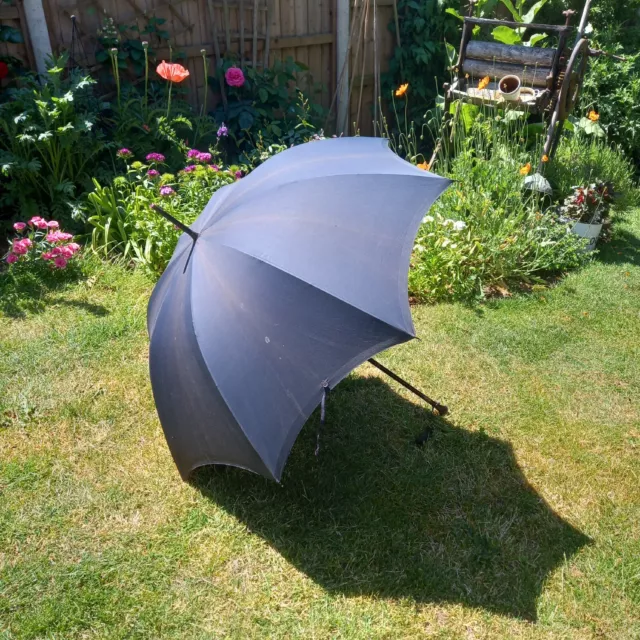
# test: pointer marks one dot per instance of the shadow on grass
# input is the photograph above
(27, 290)
(455, 521)
(624, 248)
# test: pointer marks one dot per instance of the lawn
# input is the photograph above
(519, 518)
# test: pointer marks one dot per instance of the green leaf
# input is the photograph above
(263, 95)
(512, 9)
(534, 39)
(506, 35)
(531, 14)
(245, 120)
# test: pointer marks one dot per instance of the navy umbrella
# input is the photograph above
(288, 280)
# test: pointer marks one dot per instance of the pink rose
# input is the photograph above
(62, 235)
(26, 242)
(47, 255)
(234, 77)
(42, 224)
(74, 246)
(53, 224)
(34, 221)
(54, 236)
(60, 262)
(66, 252)
(20, 226)
(56, 251)
(11, 258)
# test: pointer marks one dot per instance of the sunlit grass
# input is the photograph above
(520, 517)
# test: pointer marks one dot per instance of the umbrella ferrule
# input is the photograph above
(181, 225)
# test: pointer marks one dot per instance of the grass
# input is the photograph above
(519, 518)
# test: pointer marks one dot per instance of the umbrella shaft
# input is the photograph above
(181, 225)
(440, 408)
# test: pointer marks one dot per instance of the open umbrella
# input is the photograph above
(288, 280)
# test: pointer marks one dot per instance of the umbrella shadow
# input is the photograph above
(453, 521)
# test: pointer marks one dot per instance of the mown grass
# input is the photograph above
(519, 518)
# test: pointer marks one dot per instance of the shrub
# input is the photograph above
(122, 217)
(485, 231)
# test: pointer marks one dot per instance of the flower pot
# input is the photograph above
(509, 87)
(589, 231)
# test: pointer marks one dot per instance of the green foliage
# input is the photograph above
(485, 231)
(50, 144)
(124, 222)
(270, 107)
(583, 160)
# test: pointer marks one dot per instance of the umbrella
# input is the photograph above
(288, 280)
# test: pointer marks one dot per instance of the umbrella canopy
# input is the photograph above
(297, 275)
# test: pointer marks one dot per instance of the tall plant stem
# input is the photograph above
(146, 80)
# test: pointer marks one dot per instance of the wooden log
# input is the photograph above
(529, 76)
(515, 25)
(511, 54)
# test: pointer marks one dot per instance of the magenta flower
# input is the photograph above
(124, 153)
(47, 255)
(238, 174)
(193, 153)
(74, 246)
(26, 242)
(34, 221)
(234, 77)
(11, 258)
(53, 224)
(19, 248)
(223, 131)
(214, 167)
(155, 157)
(20, 226)
(58, 236)
(190, 168)
(203, 157)
(166, 191)
(152, 173)
(60, 262)
(66, 252)
(42, 224)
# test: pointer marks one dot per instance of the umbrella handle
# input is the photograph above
(440, 408)
(181, 225)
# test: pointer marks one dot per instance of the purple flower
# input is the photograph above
(193, 153)
(152, 173)
(223, 131)
(238, 174)
(214, 167)
(124, 153)
(155, 157)
(166, 191)
(203, 157)
(190, 168)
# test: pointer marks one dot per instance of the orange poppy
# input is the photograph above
(172, 72)
(484, 83)
(526, 169)
(545, 158)
(593, 116)
(401, 90)
(424, 166)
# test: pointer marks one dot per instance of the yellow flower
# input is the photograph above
(401, 90)
(484, 82)
(545, 158)
(424, 166)
(593, 116)
(525, 170)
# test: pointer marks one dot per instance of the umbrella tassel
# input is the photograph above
(323, 414)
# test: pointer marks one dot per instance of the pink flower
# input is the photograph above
(42, 224)
(203, 157)
(155, 157)
(66, 252)
(60, 262)
(54, 236)
(190, 168)
(234, 77)
(124, 153)
(63, 235)
(56, 251)
(74, 246)
(19, 247)
(193, 153)
(238, 174)
(20, 226)
(34, 221)
(47, 255)
(11, 258)
(214, 167)
(53, 224)
(166, 191)
(153, 173)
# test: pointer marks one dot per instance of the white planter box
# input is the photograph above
(589, 231)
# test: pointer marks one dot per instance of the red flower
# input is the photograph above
(234, 77)
(172, 72)
(4, 70)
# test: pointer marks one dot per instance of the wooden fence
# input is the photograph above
(12, 15)
(260, 31)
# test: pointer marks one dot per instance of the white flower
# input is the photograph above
(445, 242)
(428, 219)
(459, 225)
(446, 222)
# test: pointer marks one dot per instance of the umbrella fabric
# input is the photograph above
(298, 275)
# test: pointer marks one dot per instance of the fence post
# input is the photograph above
(38, 32)
(342, 65)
